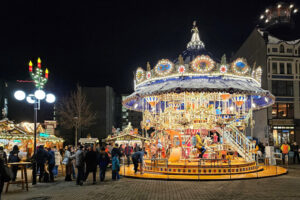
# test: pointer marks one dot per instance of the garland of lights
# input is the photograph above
(203, 64)
(140, 74)
(163, 67)
(240, 66)
(37, 76)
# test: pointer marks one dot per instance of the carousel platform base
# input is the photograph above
(205, 173)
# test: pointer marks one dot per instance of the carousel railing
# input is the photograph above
(240, 143)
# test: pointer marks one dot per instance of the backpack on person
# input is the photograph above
(115, 164)
(13, 157)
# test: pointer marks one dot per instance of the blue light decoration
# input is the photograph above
(240, 66)
(17, 141)
(163, 67)
(44, 135)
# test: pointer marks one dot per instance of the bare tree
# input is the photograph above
(75, 112)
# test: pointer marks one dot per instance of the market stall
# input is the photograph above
(22, 135)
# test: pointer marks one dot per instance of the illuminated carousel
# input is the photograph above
(198, 110)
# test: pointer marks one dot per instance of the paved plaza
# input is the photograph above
(282, 187)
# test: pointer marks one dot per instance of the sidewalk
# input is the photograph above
(282, 187)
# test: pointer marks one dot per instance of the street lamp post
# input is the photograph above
(35, 99)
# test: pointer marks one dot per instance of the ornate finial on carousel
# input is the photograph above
(148, 66)
(223, 60)
(180, 59)
(252, 73)
(195, 42)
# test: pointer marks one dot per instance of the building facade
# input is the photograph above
(280, 61)
(102, 101)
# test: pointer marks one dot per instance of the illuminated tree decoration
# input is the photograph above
(37, 76)
(140, 74)
(164, 67)
(258, 74)
(203, 64)
(148, 75)
(181, 69)
(240, 66)
(223, 69)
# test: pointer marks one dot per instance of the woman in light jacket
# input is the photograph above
(67, 161)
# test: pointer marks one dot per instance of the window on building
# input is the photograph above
(289, 50)
(283, 88)
(281, 68)
(289, 68)
(268, 50)
(281, 49)
(274, 50)
(283, 111)
(274, 68)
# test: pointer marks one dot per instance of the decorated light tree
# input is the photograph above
(39, 80)
(37, 76)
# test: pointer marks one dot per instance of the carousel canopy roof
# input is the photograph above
(198, 71)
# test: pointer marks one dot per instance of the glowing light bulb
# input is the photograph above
(267, 10)
(292, 5)
(279, 6)
(262, 16)
(266, 99)
(19, 95)
(295, 10)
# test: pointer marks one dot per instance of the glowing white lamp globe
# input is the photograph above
(40, 94)
(30, 98)
(20, 95)
(50, 98)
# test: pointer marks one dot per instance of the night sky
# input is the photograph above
(99, 43)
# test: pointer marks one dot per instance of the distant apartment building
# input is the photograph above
(280, 61)
(103, 102)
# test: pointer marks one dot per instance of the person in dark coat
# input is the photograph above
(51, 163)
(1, 177)
(295, 149)
(128, 151)
(116, 152)
(137, 158)
(3, 155)
(91, 163)
(14, 157)
(103, 162)
(41, 158)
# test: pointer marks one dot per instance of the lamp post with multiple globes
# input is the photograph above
(35, 99)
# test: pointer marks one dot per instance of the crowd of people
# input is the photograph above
(87, 159)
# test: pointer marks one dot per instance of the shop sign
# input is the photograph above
(282, 122)
(44, 135)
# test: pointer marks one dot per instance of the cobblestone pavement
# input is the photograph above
(283, 187)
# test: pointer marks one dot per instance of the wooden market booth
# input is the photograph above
(22, 135)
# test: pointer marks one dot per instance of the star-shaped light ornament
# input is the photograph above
(181, 69)
(223, 69)
(148, 75)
